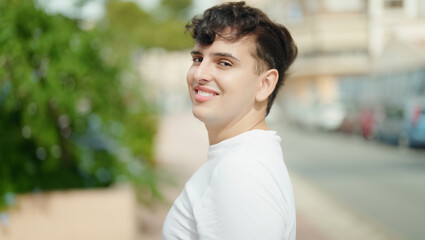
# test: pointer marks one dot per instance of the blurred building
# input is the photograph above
(356, 40)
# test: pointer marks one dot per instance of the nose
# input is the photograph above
(203, 72)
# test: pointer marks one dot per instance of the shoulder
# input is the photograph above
(240, 161)
(240, 173)
(251, 159)
(246, 173)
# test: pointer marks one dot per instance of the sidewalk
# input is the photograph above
(182, 146)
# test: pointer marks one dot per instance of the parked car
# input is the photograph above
(351, 123)
(331, 116)
(322, 116)
(389, 126)
(369, 118)
(413, 127)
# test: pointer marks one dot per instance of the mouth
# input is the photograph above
(203, 94)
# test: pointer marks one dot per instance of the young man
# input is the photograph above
(243, 191)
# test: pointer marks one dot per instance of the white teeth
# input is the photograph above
(205, 94)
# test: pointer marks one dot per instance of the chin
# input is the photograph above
(198, 114)
(203, 115)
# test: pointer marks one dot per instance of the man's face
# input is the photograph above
(222, 81)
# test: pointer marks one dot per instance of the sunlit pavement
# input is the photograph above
(181, 147)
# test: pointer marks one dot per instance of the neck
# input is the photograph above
(217, 134)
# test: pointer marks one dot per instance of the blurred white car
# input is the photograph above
(330, 116)
(327, 117)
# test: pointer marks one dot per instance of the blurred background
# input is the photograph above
(97, 136)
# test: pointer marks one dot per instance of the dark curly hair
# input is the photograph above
(232, 21)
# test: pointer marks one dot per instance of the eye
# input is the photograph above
(225, 63)
(197, 59)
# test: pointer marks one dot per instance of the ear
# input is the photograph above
(267, 84)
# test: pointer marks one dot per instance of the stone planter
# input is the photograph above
(75, 215)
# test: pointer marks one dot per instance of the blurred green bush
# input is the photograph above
(71, 114)
(162, 27)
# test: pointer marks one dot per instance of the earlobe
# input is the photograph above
(267, 84)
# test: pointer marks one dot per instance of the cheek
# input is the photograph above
(241, 94)
(189, 77)
(246, 88)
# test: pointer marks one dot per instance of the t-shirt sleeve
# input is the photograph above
(242, 202)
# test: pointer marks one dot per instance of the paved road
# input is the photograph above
(381, 183)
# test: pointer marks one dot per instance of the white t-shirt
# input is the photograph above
(242, 191)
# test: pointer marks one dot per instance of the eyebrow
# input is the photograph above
(194, 52)
(218, 54)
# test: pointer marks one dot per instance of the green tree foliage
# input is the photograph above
(133, 27)
(177, 8)
(69, 116)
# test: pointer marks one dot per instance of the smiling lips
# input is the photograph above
(203, 94)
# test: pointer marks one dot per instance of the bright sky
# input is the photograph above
(94, 9)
